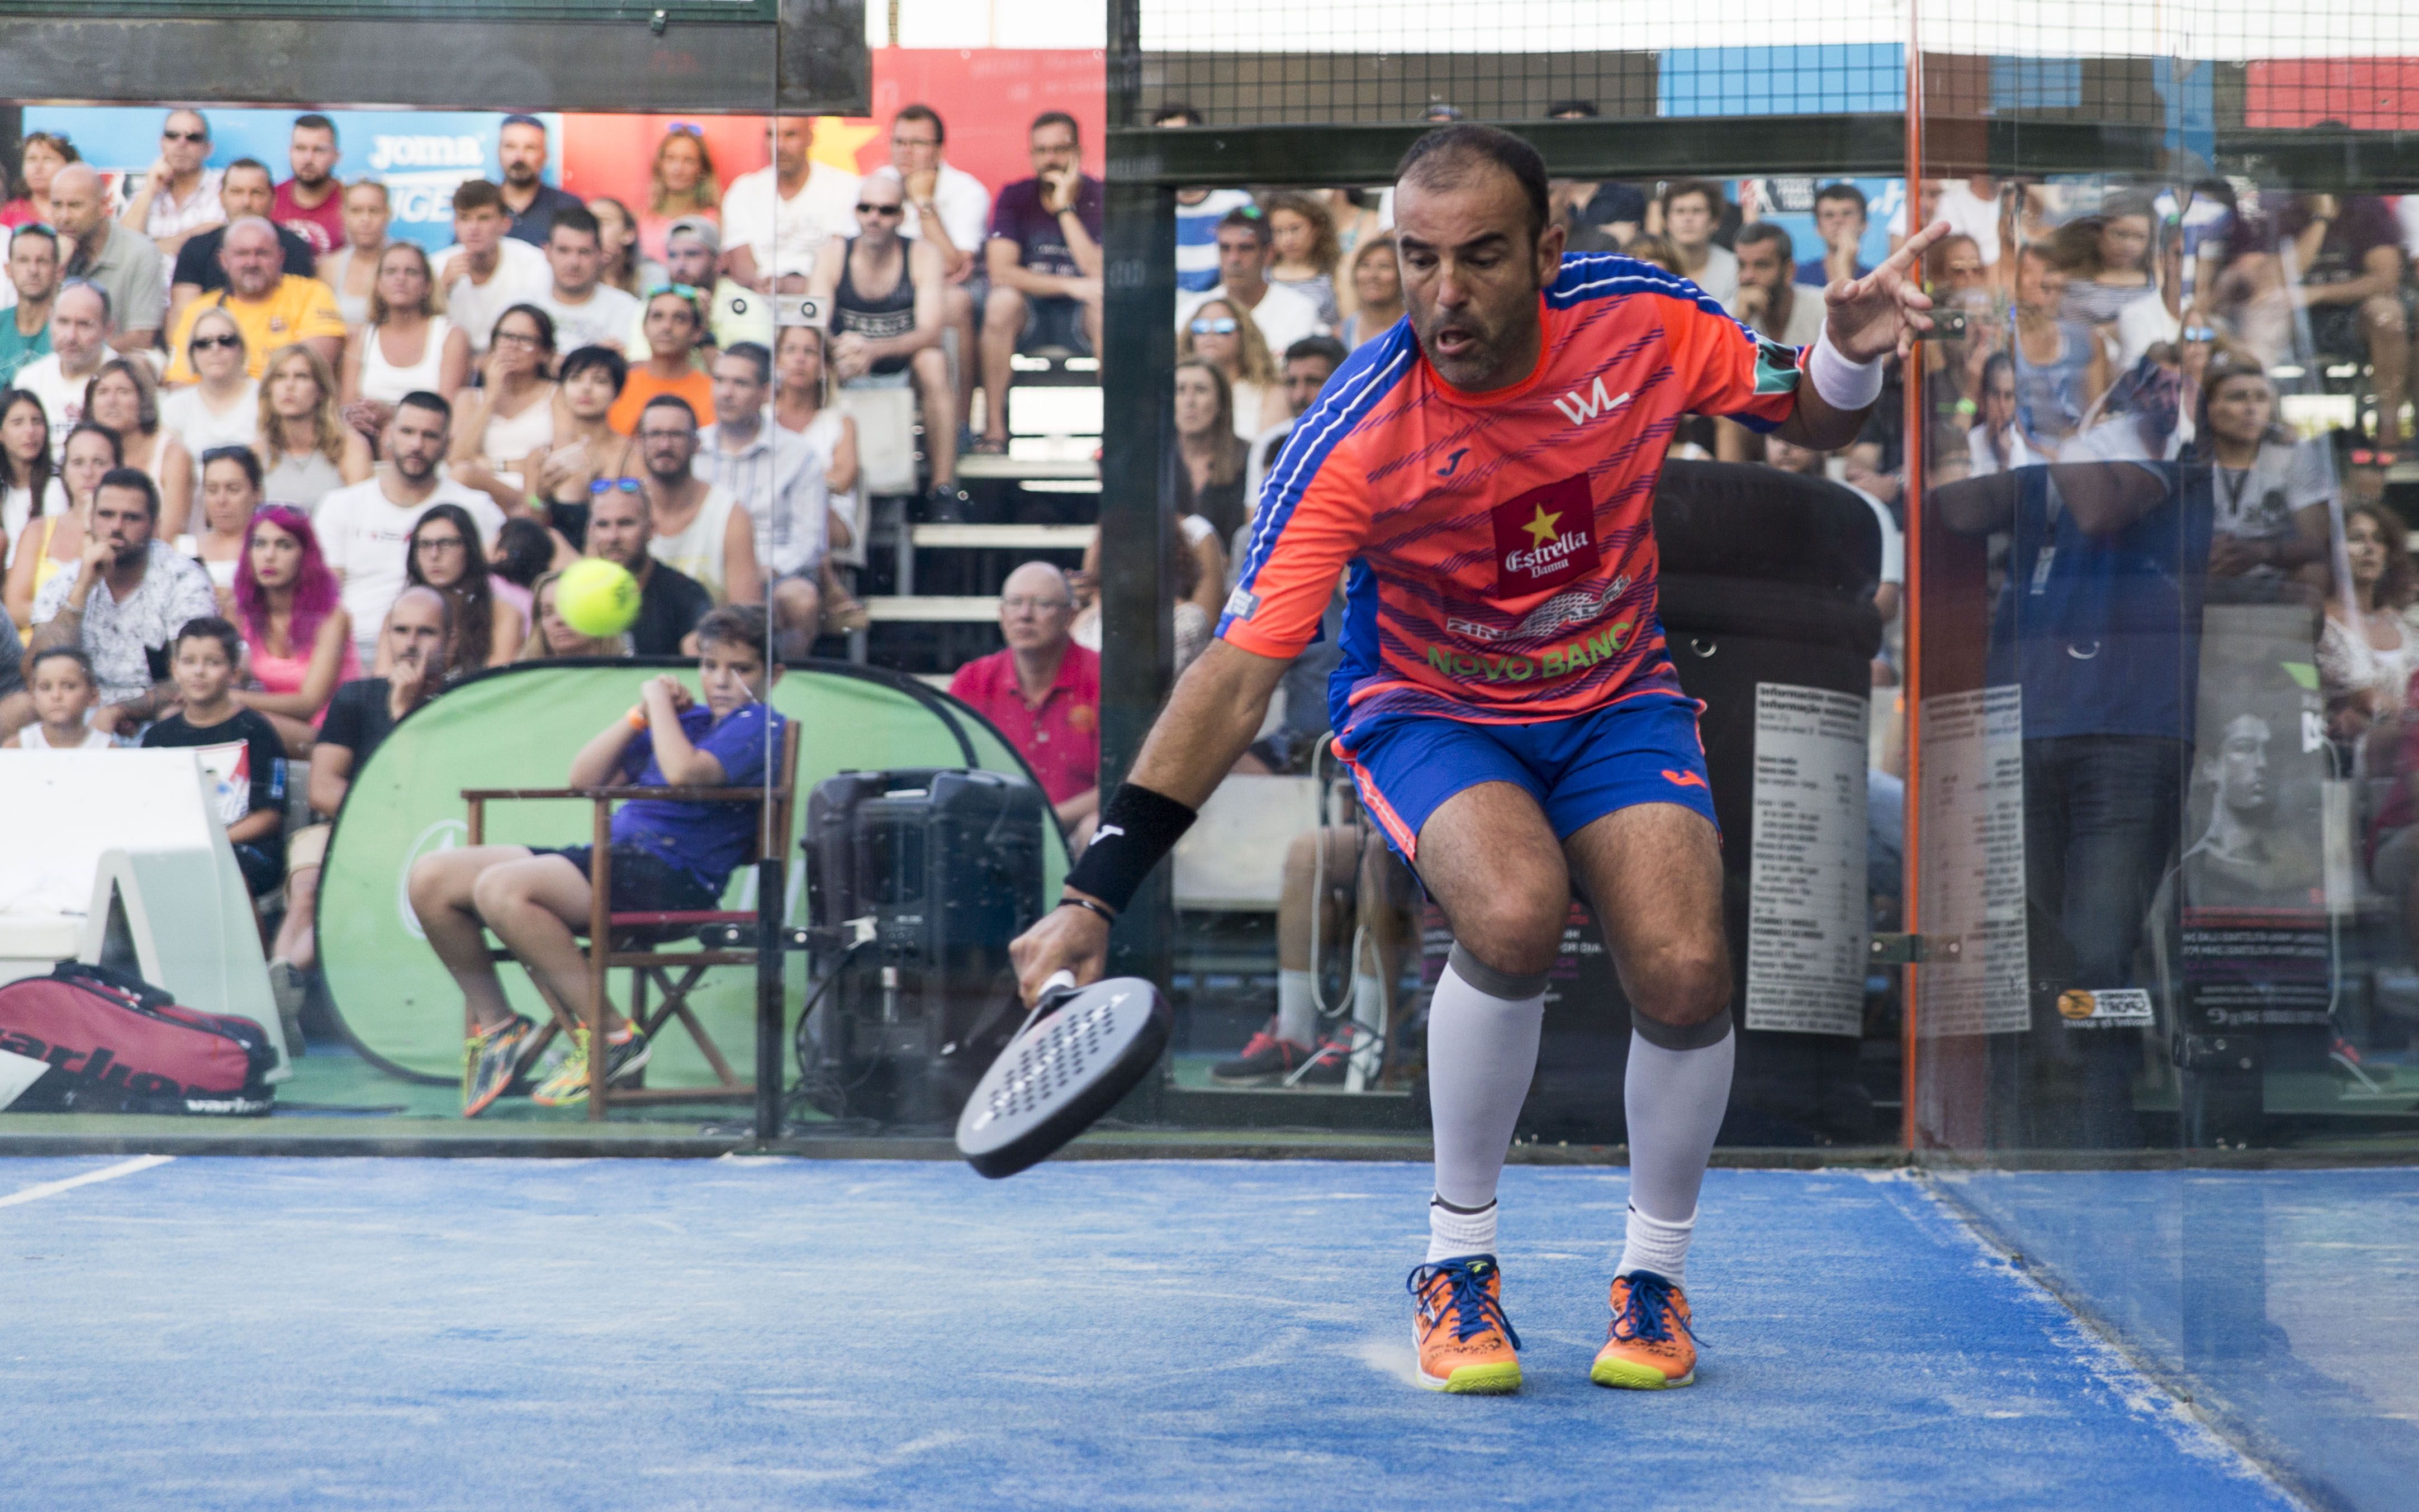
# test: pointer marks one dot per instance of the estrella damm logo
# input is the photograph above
(1545, 536)
(1561, 662)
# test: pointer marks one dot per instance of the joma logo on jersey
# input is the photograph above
(1580, 409)
(1545, 536)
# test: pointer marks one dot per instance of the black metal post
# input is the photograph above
(1139, 334)
(771, 873)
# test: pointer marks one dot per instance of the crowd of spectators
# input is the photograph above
(271, 474)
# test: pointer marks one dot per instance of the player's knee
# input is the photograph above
(1517, 928)
(2384, 315)
(1681, 982)
(1003, 311)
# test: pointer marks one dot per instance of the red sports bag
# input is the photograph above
(114, 1043)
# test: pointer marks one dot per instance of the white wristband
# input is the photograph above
(1843, 384)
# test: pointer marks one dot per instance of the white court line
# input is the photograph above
(106, 1173)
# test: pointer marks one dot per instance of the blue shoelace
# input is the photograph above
(1643, 1311)
(1474, 1311)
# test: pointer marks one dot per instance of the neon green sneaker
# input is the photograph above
(490, 1059)
(624, 1059)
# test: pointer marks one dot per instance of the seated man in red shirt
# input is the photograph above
(1043, 692)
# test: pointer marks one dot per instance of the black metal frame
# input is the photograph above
(792, 56)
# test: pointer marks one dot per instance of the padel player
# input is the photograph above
(1488, 470)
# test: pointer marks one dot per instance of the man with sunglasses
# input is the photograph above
(776, 220)
(180, 197)
(886, 296)
(34, 268)
(1284, 315)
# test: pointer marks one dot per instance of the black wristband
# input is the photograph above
(1107, 914)
(1137, 828)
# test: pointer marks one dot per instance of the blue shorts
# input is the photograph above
(1578, 769)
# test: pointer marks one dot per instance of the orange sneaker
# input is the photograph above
(1466, 1343)
(1649, 1346)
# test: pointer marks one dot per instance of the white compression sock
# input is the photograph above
(1297, 1014)
(1482, 1054)
(1452, 1231)
(1676, 1091)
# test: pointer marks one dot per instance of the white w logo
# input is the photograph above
(1579, 411)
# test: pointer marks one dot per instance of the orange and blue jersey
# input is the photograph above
(1501, 545)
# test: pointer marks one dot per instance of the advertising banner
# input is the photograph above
(420, 155)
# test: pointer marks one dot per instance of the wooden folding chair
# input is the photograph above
(632, 940)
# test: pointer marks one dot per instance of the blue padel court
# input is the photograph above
(208, 1333)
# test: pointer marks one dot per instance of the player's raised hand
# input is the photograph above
(1883, 311)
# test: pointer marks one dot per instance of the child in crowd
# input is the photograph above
(666, 854)
(205, 657)
(65, 692)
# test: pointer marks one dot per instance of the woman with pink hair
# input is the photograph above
(300, 640)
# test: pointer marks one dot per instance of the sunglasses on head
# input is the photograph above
(1224, 327)
(607, 485)
(687, 291)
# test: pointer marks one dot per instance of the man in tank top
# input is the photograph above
(889, 299)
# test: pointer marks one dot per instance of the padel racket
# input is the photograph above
(1077, 1053)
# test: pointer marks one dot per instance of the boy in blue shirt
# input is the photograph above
(669, 855)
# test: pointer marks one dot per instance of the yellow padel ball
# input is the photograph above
(596, 597)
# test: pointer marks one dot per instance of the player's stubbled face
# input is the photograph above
(1472, 274)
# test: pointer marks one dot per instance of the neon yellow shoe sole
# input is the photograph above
(1478, 1379)
(1630, 1376)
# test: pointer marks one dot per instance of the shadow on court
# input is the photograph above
(608, 1333)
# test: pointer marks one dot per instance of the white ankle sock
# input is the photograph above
(1676, 1099)
(1482, 1056)
(1452, 1233)
(1653, 1244)
(1296, 1015)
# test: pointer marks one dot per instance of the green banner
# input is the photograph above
(519, 728)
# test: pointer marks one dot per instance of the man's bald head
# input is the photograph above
(80, 327)
(76, 204)
(252, 257)
(1036, 607)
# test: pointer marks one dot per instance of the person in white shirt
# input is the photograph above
(179, 198)
(775, 220)
(487, 271)
(1244, 252)
(587, 312)
(365, 529)
(1999, 442)
(699, 529)
(65, 692)
(949, 210)
(1692, 209)
(1971, 208)
(80, 330)
(813, 494)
